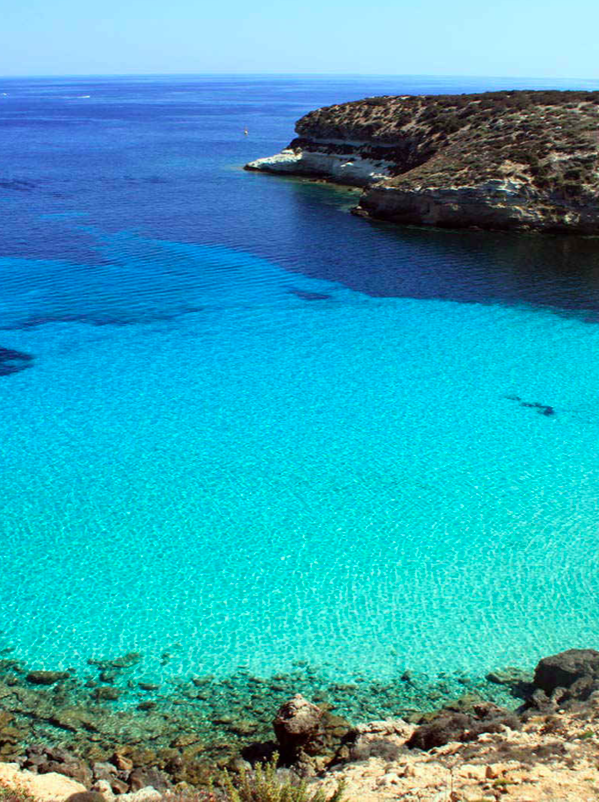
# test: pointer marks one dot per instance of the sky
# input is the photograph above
(530, 38)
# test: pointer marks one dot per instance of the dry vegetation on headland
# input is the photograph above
(515, 159)
(470, 750)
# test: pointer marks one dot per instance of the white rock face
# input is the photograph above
(342, 168)
(50, 787)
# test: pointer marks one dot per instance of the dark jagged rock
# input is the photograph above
(576, 670)
(440, 731)
(260, 752)
(496, 160)
(73, 768)
(449, 725)
(563, 681)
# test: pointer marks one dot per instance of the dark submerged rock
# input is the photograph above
(510, 676)
(106, 693)
(46, 677)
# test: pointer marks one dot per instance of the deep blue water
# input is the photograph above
(242, 425)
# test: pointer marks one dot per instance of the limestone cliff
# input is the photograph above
(497, 160)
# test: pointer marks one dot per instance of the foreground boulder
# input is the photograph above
(297, 728)
(305, 731)
(563, 681)
(576, 670)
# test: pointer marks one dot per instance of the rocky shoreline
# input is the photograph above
(518, 160)
(122, 751)
(189, 725)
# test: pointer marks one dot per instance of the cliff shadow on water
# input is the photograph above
(558, 272)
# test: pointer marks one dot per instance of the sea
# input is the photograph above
(243, 429)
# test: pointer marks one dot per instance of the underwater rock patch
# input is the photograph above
(305, 295)
(542, 409)
(46, 677)
(12, 361)
(20, 186)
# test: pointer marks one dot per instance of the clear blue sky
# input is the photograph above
(536, 38)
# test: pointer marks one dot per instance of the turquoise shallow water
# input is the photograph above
(268, 479)
(249, 429)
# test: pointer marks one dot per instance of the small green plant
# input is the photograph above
(14, 793)
(502, 783)
(263, 785)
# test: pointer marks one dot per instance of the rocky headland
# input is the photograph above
(511, 160)
(544, 745)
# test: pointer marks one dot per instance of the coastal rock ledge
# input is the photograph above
(515, 160)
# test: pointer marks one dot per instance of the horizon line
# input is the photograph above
(43, 76)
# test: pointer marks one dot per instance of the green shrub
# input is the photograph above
(264, 786)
